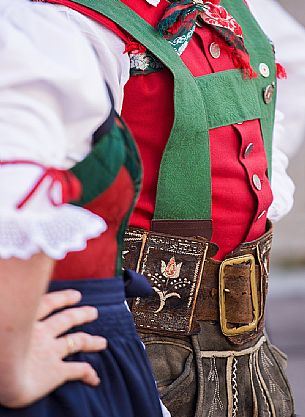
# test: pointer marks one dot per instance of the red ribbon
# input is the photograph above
(70, 185)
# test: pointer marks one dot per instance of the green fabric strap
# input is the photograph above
(223, 108)
(218, 99)
(191, 175)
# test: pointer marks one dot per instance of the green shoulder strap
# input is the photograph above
(202, 103)
(189, 196)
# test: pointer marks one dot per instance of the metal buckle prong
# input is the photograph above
(234, 331)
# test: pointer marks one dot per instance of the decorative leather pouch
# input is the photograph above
(174, 268)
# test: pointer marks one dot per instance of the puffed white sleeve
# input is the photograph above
(288, 36)
(281, 184)
(52, 99)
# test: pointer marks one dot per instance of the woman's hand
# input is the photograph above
(44, 368)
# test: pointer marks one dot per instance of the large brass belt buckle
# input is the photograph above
(234, 331)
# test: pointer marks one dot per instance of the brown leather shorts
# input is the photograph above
(201, 376)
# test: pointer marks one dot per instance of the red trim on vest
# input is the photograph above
(99, 258)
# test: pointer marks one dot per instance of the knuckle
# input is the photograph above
(49, 301)
(105, 343)
(71, 316)
(83, 339)
(69, 296)
(78, 314)
(64, 319)
(59, 321)
(89, 312)
(87, 369)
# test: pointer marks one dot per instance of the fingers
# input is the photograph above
(80, 342)
(81, 371)
(65, 320)
(57, 300)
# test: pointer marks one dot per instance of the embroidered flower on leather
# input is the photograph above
(164, 295)
(171, 270)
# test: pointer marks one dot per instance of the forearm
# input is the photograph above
(22, 284)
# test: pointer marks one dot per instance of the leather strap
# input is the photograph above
(186, 227)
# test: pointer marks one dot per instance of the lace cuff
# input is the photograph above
(63, 229)
(33, 214)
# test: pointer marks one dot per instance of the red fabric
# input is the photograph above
(151, 134)
(148, 111)
(280, 71)
(89, 263)
(236, 203)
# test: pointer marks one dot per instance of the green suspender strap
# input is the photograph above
(202, 103)
(181, 178)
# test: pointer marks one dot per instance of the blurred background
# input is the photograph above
(286, 305)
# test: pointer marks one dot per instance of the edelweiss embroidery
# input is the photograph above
(142, 63)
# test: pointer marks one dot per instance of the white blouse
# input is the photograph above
(289, 38)
(54, 63)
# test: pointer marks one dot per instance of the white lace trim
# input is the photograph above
(59, 231)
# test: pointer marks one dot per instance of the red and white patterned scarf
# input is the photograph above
(179, 21)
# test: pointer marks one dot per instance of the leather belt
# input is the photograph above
(190, 286)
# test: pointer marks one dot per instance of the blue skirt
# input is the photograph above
(127, 387)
